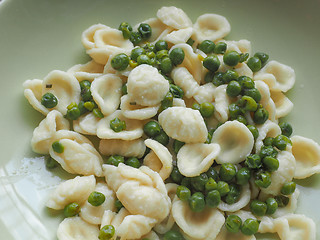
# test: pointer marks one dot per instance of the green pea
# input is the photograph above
(115, 160)
(162, 138)
(220, 48)
(253, 130)
(196, 106)
(120, 62)
(81, 107)
(212, 173)
(260, 116)
(197, 202)
(117, 125)
(242, 119)
(135, 38)
(133, 162)
(234, 110)
(229, 76)
(143, 59)
(246, 82)
(254, 64)
(206, 109)
(89, 106)
(190, 42)
(176, 91)
(149, 47)
(85, 84)
(71, 209)
(49, 100)
(268, 151)
(218, 79)
(118, 205)
(233, 89)
(136, 52)
(209, 138)
(243, 176)
(243, 57)
(231, 58)
(288, 188)
(233, 223)
(175, 175)
(51, 163)
(177, 145)
(212, 63)
(145, 30)
(211, 184)
(166, 65)
(124, 89)
(71, 105)
(262, 56)
(270, 163)
(213, 198)
(96, 198)
(151, 55)
(57, 147)
(281, 142)
(258, 208)
(254, 93)
(167, 101)
(250, 226)
(168, 78)
(253, 161)
(107, 232)
(161, 54)
(97, 113)
(272, 206)
(199, 182)
(282, 200)
(268, 141)
(206, 46)
(234, 194)
(183, 193)
(186, 181)
(223, 188)
(248, 104)
(86, 94)
(263, 179)
(152, 128)
(286, 129)
(173, 235)
(126, 30)
(208, 77)
(227, 172)
(177, 56)
(161, 45)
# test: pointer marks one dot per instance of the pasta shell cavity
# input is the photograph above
(179, 36)
(268, 129)
(87, 37)
(132, 148)
(282, 103)
(33, 93)
(88, 71)
(221, 103)
(174, 17)
(236, 142)
(86, 124)
(146, 86)
(184, 79)
(196, 158)
(183, 124)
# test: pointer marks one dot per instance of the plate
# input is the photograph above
(38, 36)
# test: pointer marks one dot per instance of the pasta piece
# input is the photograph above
(241, 46)
(93, 214)
(241, 68)
(42, 135)
(77, 190)
(271, 108)
(64, 86)
(146, 86)
(268, 129)
(221, 103)
(179, 36)
(86, 124)
(174, 17)
(205, 93)
(196, 158)
(182, 77)
(236, 142)
(87, 37)
(282, 103)
(33, 93)
(133, 148)
(264, 91)
(291, 207)
(134, 128)
(132, 110)
(106, 92)
(159, 159)
(307, 155)
(88, 71)
(178, 102)
(224, 234)
(151, 236)
(183, 124)
(159, 29)
(211, 27)
(197, 225)
(74, 228)
(278, 76)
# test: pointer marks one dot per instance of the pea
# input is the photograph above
(206, 109)
(272, 206)
(253, 161)
(208, 77)
(212, 173)
(258, 208)
(120, 62)
(243, 57)
(124, 89)
(233, 195)
(254, 64)
(107, 232)
(162, 138)
(233, 89)
(115, 160)
(85, 84)
(161, 45)
(253, 130)
(270, 163)
(57, 147)
(126, 30)
(246, 82)
(254, 93)
(177, 56)
(263, 179)
(177, 145)
(51, 163)
(133, 162)
(234, 110)
(213, 198)
(149, 47)
(206, 46)
(211, 184)
(268, 141)
(229, 76)
(82, 108)
(173, 235)
(199, 182)
(218, 79)
(243, 176)
(135, 38)
(190, 42)
(209, 138)
(233, 223)
(152, 128)
(227, 172)
(197, 202)
(49, 100)
(220, 48)
(282, 200)
(248, 104)
(183, 193)
(288, 188)
(71, 209)
(96, 198)
(168, 78)
(117, 125)
(166, 65)
(86, 94)
(89, 106)
(136, 52)
(196, 106)
(231, 58)
(175, 175)
(286, 129)
(262, 56)
(118, 205)
(268, 151)
(167, 101)
(161, 54)
(143, 59)
(242, 119)
(250, 226)
(212, 63)
(186, 181)
(176, 91)
(281, 142)
(97, 113)
(145, 30)
(223, 188)
(260, 116)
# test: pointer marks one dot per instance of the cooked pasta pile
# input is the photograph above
(190, 142)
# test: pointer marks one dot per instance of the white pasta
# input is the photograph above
(86, 124)
(88, 71)
(268, 129)
(205, 93)
(182, 78)
(174, 17)
(221, 103)
(179, 36)
(291, 207)
(33, 93)
(132, 148)
(87, 37)
(282, 103)
(159, 29)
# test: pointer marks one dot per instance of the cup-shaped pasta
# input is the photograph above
(263, 88)
(271, 108)
(203, 225)
(106, 92)
(211, 27)
(307, 155)
(159, 29)
(196, 158)
(241, 68)
(93, 214)
(178, 102)
(79, 156)
(241, 46)
(179, 36)
(291, 206)
(151, 236)
(278, 76)
(174, 17)
(184, 79)
(205, 93)
(236, 142)
(33, 93)
(268, 129)
(183, 124)
(42, 135)
(282, 103)
(86, 124)
(87, 37)
(221, 103)
(64, 86)
(134, 128)
(132, 110)
(159, 159)
(146, 86)
(76, 190)
(224, 234)
(88, 71)
(133, 148)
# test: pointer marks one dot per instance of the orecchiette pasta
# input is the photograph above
(33, 93)
(183, 78)
(268, 129)
(282, 103)
(174, 17)
(132, 148)
(86, 124)
(221, 103)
